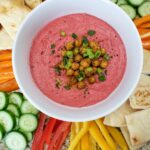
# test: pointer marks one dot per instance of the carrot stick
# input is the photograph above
(146, 45)
(5, 64)
(142, 20)
(9, 86)
(145, 25)
(6, 56)
(145, 35)
(146, 39)
(5, 51)
(3, 80)
(6, 73)
(143, 31)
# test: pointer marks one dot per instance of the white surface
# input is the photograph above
(52, 9)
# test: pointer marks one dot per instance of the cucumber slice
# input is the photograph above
(24, 97)
(14, 109)
(114, 1)
(135, 3)
(144, 9)
(2, 132)
(28, 122)
(28, 135)
(15, 141)
(7, 120)
(17, 124)
(122, 2)
(27, 107)
(129, 10)
(3, 100)
(16, 98)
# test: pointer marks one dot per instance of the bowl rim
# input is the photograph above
(63, 117)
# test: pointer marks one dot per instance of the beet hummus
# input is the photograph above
(46, 54)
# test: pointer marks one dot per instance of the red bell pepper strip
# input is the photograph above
(63, 138)
(56, 141)
(47, 133)
(39, 131)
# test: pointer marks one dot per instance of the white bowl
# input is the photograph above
(52, 9)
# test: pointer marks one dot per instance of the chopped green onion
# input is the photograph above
(53, 46)
(57, 70)
(85, 40)
(69, 54)
(102, 77)
(81, 76)
(106, 57)
(91, 32)
(63, 33)
(89, 69)
(90, 53)
(67, 87)
(67, 64)
(74, 35)
(97, 54)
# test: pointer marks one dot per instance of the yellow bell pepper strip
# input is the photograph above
(97, 135)
(106, 134)
(118, 137)
(78, 137)
(77, 129)
(85, 143)
(73, 134)
(93, 145)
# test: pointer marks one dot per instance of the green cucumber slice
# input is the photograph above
(135, 3)
(129, 10)
(15, 141)
(144, 9)
(2, 132)
(27, 107)
(7, 120)
(14, 109)
(3, 100)
(28, 135)
(122, 2)
(28, 122)
(114, 1)
(16, 98)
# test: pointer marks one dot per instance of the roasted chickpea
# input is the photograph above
(72, 81)
(69, 72)
(69, 45)
(95, 63)
(103, 64)
(78, 43)
(84, 63)
(91, 80)
(61, 65)
(103, 51)
(88, 60)
(75, 51)
(78, 58)
(63, 52)
(83, 50)
(94, 70)
(76, 73)
(81, 68)
(75, 66)
(88, 71)
(81, 85)
(94, 46)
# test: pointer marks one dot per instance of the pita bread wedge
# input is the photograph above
(125, 133)
(32, 3)
(11, 16)
(138, 124)
(5, 40)
(117, 118)
(140, 98)
(146, 66)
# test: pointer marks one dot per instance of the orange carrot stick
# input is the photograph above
(142, 20)
(143, 31)
(4, 80)
(6, 73)
(8, 86)
(146, 45)
(5, 51)
(5, 64)
(145, 25)
(5, 57)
